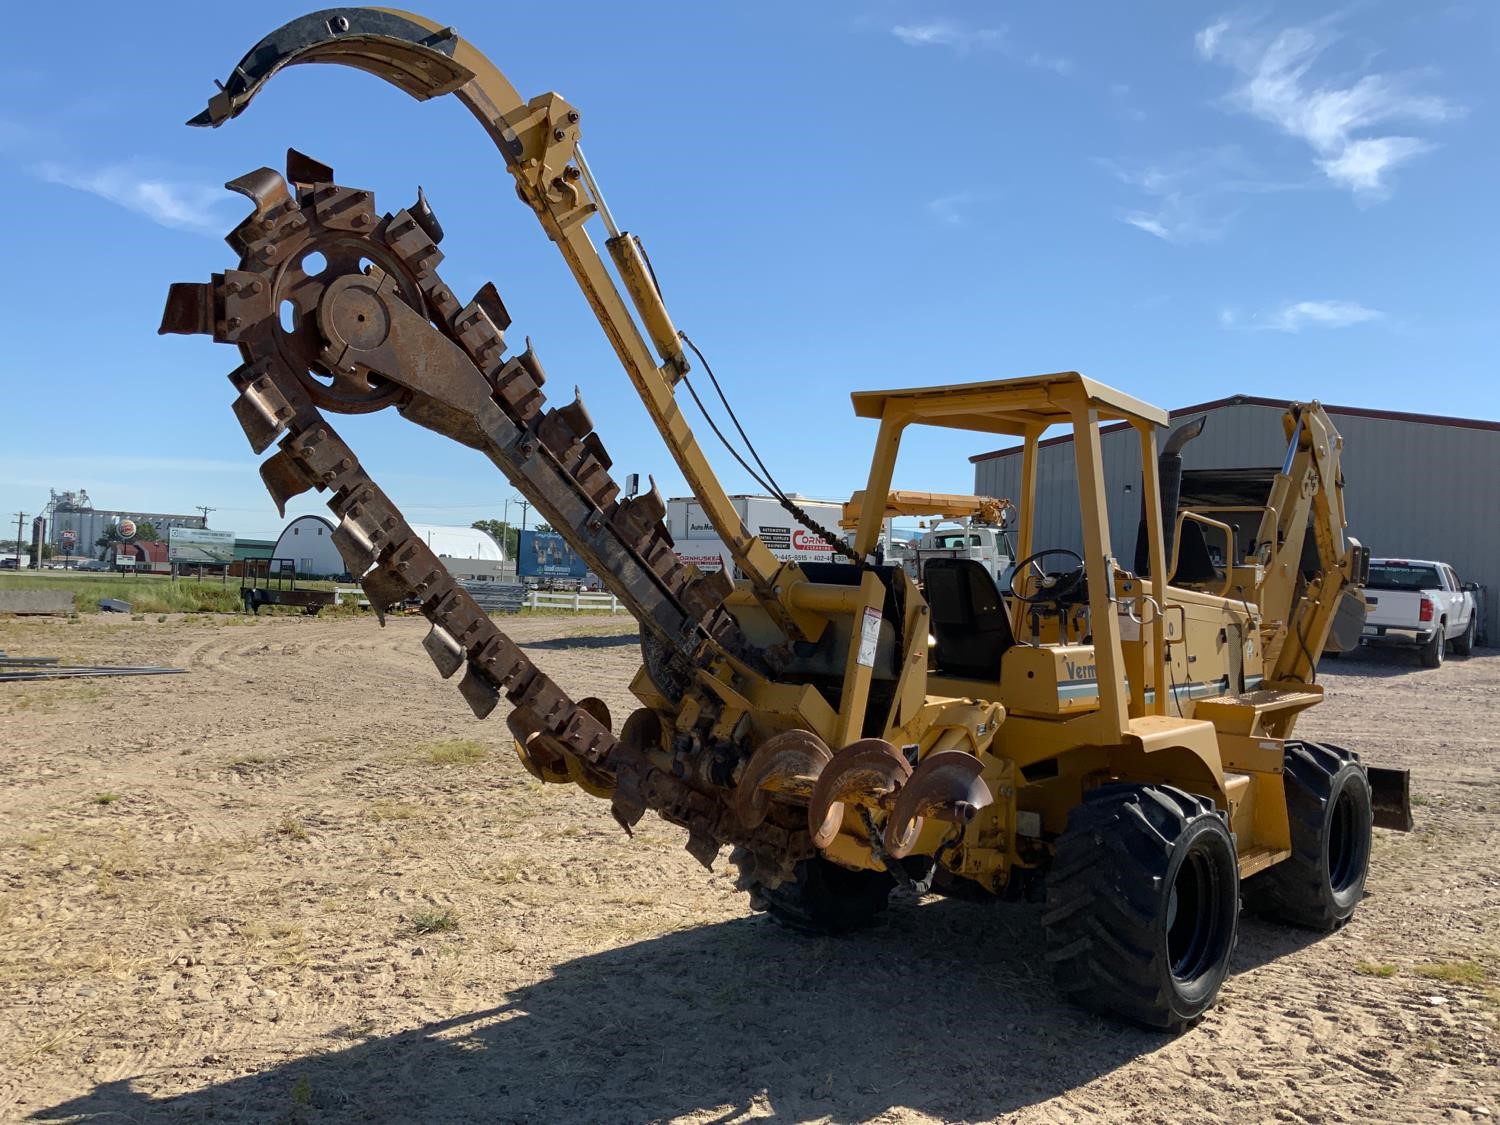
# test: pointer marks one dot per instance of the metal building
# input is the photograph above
(1416, 485)
(308, 542)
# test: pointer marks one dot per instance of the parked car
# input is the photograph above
(9, 564)
(1420, 604)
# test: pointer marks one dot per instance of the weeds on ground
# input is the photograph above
(434, 922)
(290, 827)
(456, 752)
(106, 798)
(386, 809)
(1453, 972)
(1374, 969)
(302, 1092)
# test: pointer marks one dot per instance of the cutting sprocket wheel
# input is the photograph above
(300, 246)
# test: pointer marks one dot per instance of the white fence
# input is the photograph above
(574, 600)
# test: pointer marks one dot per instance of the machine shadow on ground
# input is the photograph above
(585, 640)
(946, 1008)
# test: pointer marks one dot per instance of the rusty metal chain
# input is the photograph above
(372, 325)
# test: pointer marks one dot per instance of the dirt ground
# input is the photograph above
(275, 889)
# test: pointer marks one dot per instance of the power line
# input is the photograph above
(205, 509)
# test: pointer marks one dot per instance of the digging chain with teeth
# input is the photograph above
(374, 326)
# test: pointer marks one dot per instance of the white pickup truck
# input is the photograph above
(1417, 603)
(990, 546)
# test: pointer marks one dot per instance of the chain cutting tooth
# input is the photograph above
(446, 653)
(189, 310)
(283, 478)
(263, 411)
(478, 692)
(354, 545)
(304, 171)
(265, 187)
(384, 586)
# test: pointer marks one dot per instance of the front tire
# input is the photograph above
(1143, 904)
(1464, 645)
(823, 898)
(1329, 805)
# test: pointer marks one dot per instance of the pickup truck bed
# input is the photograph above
(1418, 604)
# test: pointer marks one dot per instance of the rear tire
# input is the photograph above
(1143, 904)
(1329, 806)
(824, 898)
(1464, 645)
(1432, 652)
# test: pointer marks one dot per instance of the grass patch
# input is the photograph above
(302, 1092)
(434, 922)
(146, 593)
(385, 809)
(1419, 800)
(456, 752)
(1454, 972)
(290, 827)
(1374, 969)
(106, 798)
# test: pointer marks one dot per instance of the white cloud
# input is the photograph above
(945, 33)
(1335, 119)
(1297, 315)
(171, 203)
(952, 209)
(1188, 197)
(1056, 65)
(962, 38)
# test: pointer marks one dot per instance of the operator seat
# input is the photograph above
(1194, 564)
(969, 620)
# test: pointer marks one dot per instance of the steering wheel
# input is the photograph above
(1050, 587)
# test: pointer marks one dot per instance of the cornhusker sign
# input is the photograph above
(787, 544)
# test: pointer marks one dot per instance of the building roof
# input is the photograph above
(1278, 404)
(459, 542)
(445, 541)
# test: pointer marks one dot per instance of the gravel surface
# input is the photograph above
(302, 883)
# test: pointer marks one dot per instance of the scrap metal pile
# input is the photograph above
(17, 669)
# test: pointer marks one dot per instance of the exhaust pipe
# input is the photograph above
(1169, 478)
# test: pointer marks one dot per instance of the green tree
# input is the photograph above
(145, 531)
(507, 537)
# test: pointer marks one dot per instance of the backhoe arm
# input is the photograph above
(539, 142)
(1308, 493)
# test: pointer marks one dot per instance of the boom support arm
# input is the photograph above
(539, 142)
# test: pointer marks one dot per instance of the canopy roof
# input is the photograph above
(1007, 406)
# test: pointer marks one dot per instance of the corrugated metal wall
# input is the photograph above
(1414, 489)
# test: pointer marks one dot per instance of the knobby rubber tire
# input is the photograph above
(1329, 806)
(1112, 940)
(824, 898)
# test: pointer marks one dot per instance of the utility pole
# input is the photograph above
(20, 524)
(525, 507)
(205, 509)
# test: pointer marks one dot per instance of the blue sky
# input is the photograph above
(1182, 200)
